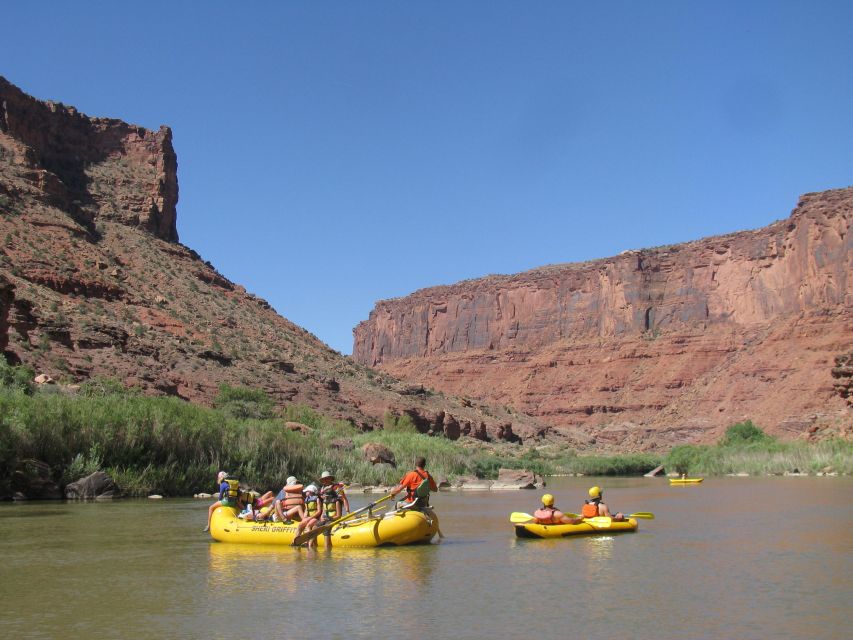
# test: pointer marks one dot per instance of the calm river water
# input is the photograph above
(731, 558)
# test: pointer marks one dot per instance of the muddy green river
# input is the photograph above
(730, 558)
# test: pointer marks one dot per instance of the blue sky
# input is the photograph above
(333, 154)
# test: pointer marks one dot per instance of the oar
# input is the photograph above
(310, 535)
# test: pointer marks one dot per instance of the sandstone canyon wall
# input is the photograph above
(93, 282)
(92, 168)
(652, 346)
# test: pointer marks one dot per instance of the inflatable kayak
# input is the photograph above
(390, 529)
(685, 480)
(596, 526)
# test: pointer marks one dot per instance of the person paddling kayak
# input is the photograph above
(418, 484)
(548, 514)
(595, 507)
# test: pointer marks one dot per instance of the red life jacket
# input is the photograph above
(545, 515)
(590, 510)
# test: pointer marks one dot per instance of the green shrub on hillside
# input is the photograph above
(744, 433)
(243, 402)
(16, 378)
(393, 423)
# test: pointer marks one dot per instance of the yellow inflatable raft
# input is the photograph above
(685, 480)
(390, 529)
(594, 526)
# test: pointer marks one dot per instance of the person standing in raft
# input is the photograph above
(595, 507)
(229, 492)
(548, 514)
(418, 484)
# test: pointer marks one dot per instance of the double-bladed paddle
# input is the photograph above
(518, 517)
(310, 535)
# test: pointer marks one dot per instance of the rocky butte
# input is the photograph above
(93, 282)
(652, 347)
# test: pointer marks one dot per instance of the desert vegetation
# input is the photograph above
(168, 446)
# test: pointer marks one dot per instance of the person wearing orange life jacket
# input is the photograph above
(290, 503)
(416, 483)
(548, 514)
(595, 507)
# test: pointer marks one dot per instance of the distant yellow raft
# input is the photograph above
(685, 480)
(587, 527)
(392, 529)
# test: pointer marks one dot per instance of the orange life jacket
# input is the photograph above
(590, 510)
(293, 496)
(545, 515)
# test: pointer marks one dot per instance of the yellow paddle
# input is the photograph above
(642, 515)
(518, 517)
(310, 535)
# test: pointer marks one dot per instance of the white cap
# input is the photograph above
(311, 488)
(325, 475)
(221, 475)
(292, 480)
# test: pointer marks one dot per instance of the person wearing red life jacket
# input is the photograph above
(548, 514)
(595, 507)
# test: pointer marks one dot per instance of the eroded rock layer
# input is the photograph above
(649, 347)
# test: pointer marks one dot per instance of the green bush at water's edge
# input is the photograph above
(745, 448)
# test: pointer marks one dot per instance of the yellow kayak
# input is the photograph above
(391, 529)
(685, 480)
(594, 526)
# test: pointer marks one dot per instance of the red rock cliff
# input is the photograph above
(95, 168)
(94, 283)
(626, 340)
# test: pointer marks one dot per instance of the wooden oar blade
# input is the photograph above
(517, 517)
(310, 535)
(302, 538)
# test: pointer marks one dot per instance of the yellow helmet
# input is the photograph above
(548, 500)
(595, 492)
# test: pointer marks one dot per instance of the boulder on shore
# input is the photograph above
(378, 454)
(97, 486)
(518, 479)
(32, 480)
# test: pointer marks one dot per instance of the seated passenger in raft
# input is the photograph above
(595, 507)
(313, 511)
(418, 484)
(549, 514)
(229, 495)
(291, 504)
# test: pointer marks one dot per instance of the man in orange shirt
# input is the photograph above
(416, 483)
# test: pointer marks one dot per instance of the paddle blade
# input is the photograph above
(643, 515)
(599, 522)
(517, 517)
(310, 535)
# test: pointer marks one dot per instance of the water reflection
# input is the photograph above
(599, 548)
(736, 559)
